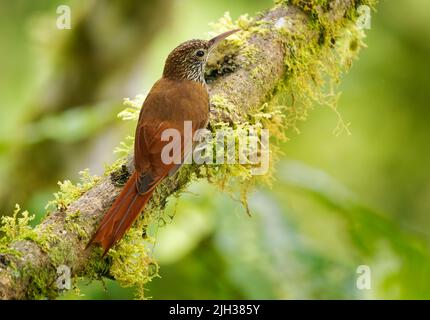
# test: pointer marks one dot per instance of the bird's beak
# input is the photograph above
(214, 41)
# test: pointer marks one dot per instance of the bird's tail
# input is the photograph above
(121, 215)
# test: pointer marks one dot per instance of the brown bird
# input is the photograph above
(180, 95)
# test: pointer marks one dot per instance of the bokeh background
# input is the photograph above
(338, 202)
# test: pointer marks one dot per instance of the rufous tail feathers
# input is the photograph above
(121, 215)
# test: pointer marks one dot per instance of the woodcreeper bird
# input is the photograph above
(180, 95)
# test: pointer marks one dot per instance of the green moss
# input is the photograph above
(220, 68)
(313, 70)
(236, 43)
(69, 192)
(38, 280)
(132, 261)
(17, 227)
(314, 67)
(72, 224)
(222, 104)
(97, 268)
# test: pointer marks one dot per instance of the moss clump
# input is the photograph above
(72, 225)
(17, 227)
(38, 278)
(223, 57)
(220, 103)
(69, 192)
(314, 67)
(132, 261)
(220, 68)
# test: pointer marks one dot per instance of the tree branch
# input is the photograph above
(29, 268)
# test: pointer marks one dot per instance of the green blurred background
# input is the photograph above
(338, 201)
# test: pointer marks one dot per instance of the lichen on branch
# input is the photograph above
(269, 75)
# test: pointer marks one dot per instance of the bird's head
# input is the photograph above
(188, 60)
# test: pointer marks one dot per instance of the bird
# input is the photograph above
(180, 95)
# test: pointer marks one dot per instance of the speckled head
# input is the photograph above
(188, 60)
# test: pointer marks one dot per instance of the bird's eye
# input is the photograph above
(200, 53)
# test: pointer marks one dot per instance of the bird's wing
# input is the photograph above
(166, 108)
(148, 154)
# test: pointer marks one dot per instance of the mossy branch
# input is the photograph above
(268, 75)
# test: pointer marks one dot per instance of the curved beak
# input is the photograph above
(214, 41)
